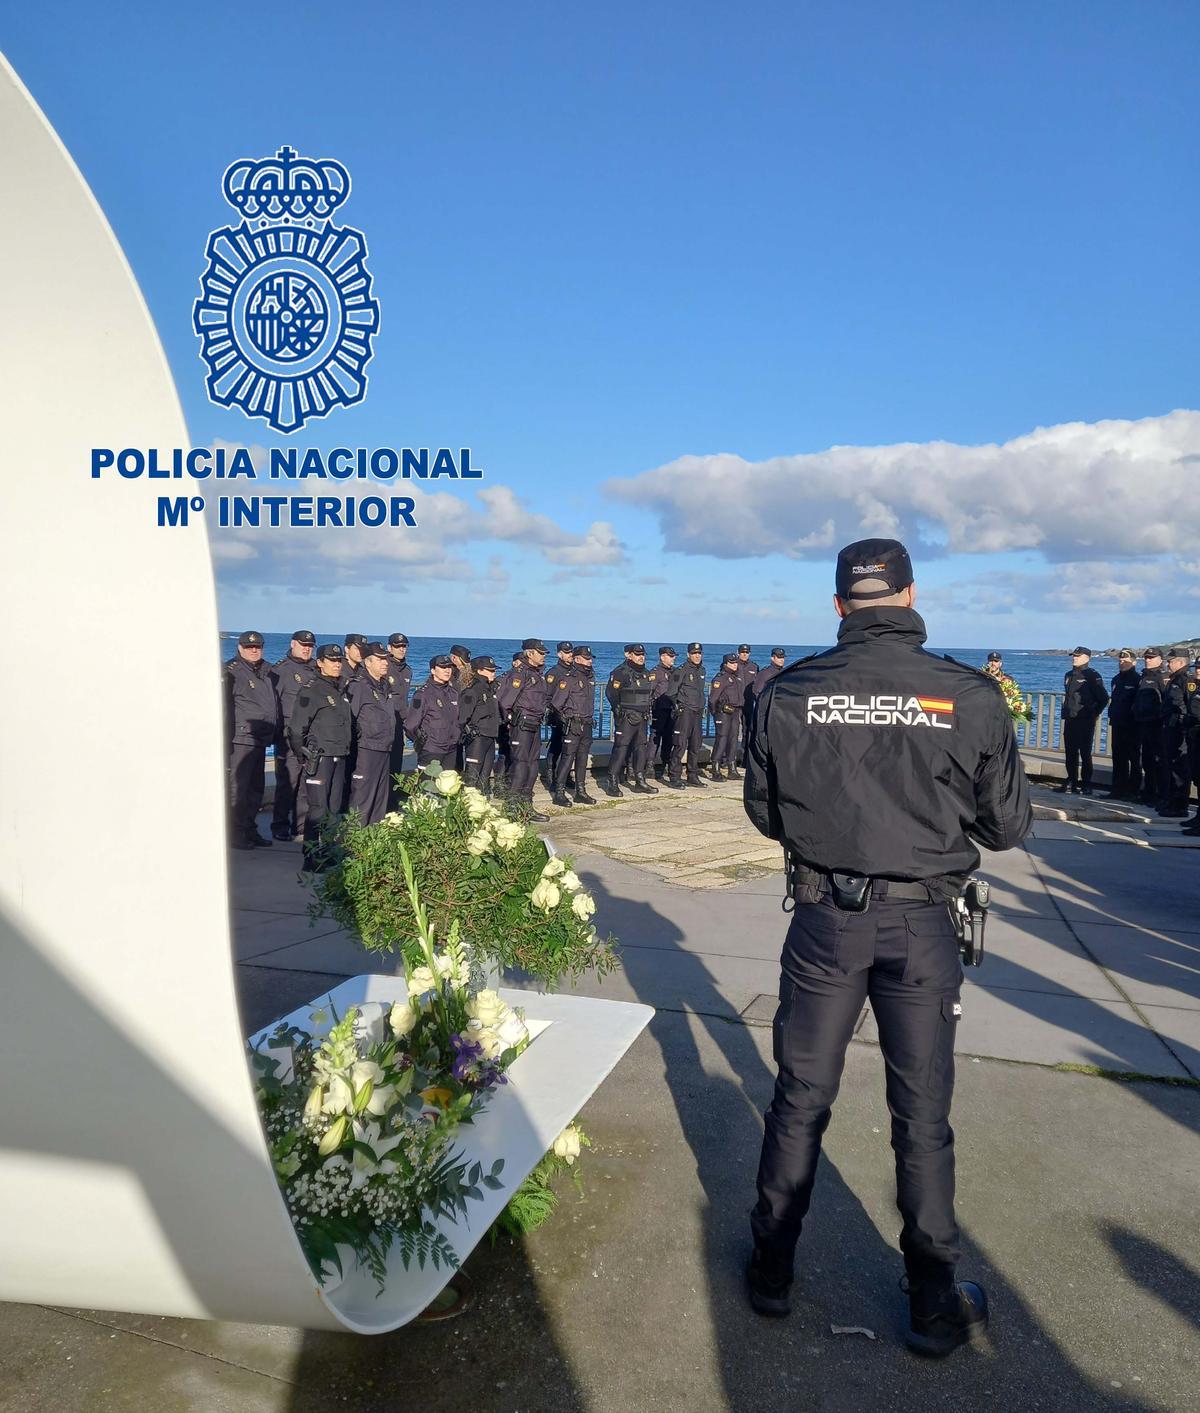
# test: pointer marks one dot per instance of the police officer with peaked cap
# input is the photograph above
(726, 699)
(1084, 697)
(880, 767)
(504, 758)
(370, 698)
(522, 698)
(1191, 727)
(688, 707)
(747, 670)
(769, 673)
(566, 660)
(351, 669)
(479, 723)
(289, 674)
(662, 710)
(573, 702)
(319, 733)
(1147, 712)
(1176, 775)
(399, 672)
(251, 725)
(432, 716)
(1122, 729)
(630, 694)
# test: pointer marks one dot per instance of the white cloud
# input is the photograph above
(1073, 492)
(1084, 586)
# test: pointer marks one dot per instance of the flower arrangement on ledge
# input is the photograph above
(1014, 698)
(476, 868)
(361, 1112)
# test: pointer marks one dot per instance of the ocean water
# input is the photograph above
(1034, 672)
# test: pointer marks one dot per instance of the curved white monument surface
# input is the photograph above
(133, 1170)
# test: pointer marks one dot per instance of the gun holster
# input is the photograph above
(968, 912)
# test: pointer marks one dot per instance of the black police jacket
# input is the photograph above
(1175, 695)
(432, 716)
(321, 722)
(630, 691)
(1191, 721)
(399, 677)
(663, 682)
(1084, 694)
(290, 674)
(764, 679)
(251, 704)
(1120, 703)
(374, 712)
(1147, 700)
(727, 694)
(574, 696)
(479, 711)
(523, 694)
(880, 758)
(691, 683)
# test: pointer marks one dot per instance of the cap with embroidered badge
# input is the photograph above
(483, 661)
(441, 660)
(743, 647)
(397, 640)
(565, 647)
(1180, 652)
(635, 648)
(533, 645)
(995, 657)
(582, 650)
(667, 651)
(374, 650)
(460, 650)
(354, 640)
(729, 659)
(302, 635)
(328, 652)
(695, 647)
(1085, 652)
(1152, 652)
(872, 569)
(778, 652)
(250, 639)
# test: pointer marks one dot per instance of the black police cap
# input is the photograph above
(397, 640)
(1087, 652)
(743, 647)
(460, 650)
(1153, 652)
(480, 662)
(533, 645)
(872, 569)
(995, 657)
(778, 652)
(1127, 653)
(1179, 652)
(729, 659)
(442, 660)
(329, 651)
(302, 635)
(250, 640)
(583, 651)
(564, 648)
(516, 658)
(354, 640)
(635, 647)
(666, 651)
(695, 647)
(374, 650)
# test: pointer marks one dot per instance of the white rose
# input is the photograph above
(545, 895)
(569, 882)
(479, 843)
(512, 1031)
(583, 905)
(478, 806)
(567, 1144)
(403, 1019)
(420, 981)
(393, 820)
(553, 868)
(486, 1038)
(449, 782)
(487, 1008)
(509, 833)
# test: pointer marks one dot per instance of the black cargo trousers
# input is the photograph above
(902, 956)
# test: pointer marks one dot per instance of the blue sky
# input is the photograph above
(606, 239)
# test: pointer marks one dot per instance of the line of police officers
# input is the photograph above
(338, 717)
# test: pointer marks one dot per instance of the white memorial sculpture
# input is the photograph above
(134, 1174)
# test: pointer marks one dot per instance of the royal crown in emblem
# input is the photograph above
(286, 315)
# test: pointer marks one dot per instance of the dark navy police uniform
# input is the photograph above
(878, 759)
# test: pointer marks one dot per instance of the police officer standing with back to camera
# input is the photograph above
(370, 698)
(289, 674)
(432, 716)
(251, 725)
(573, 703)
(688, 703)
(630, 694)
(1084, 698)
(879, 767)
(662, 711)
(1123, 730)
(522, 698)
(479, 723)
(747, 671)
(320, 733)
(726, 699)
(1147, 712)
(1175, 773)
(399, 675)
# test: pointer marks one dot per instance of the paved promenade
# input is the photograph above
(1078, 1191)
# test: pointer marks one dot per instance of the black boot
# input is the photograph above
(612, 789)
(734, 773)
(695, 782)
(941, 1317)
(583, 798)
(560, 798)
(675, 785)
(641, 787)
(769, 1283)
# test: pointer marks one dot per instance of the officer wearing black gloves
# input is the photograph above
(880, 767)
(630, 694)
(522, 696)
(688, 701)
(320, 733)
(479, 722)
(572, 703)
(663, 680)
(375, 726)
(432, 716)
(1123, 731)
(1176, 775)
(289, 674)
(726, 699)
(1084, 698)
(251, 725)
(1147, 712)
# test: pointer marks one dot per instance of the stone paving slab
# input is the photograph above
(1152, 968)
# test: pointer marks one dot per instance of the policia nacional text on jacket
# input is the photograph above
(881, 760)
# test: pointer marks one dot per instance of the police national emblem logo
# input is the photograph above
(286, 315)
